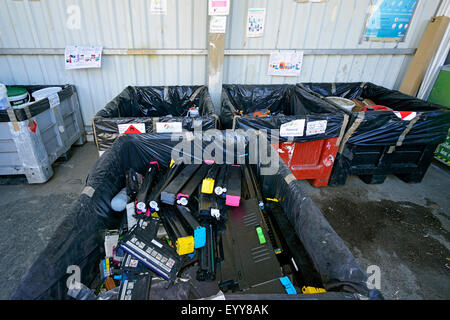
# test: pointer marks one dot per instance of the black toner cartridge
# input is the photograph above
(155, 254)
(190, 188)
(208, 207)
(135, 286)
(154, 197)
(169, 194)
(192, 225)
(220, 185)
(182, 238)
(141, 197)
(207, 257)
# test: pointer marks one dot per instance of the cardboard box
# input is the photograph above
(425, 52)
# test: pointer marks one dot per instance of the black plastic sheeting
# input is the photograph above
(149, 104)
(285, 102)
(383, 128)
(36, 107)
(78, 241)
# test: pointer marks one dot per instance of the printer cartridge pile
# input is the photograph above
(208, 216)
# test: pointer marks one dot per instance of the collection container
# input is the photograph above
(309, 128)
(33, 135)
(79, 240)
(388, 132)
(157, 109)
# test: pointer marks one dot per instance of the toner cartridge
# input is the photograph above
(135, 287)
(233, 196)
(155, 254)
(190, 188)
(141, 197)
(249, 261)
(220, 186)
(208, 207)
(183, 240)
(154, 197)
(210, 178)
(207, 256)
(132, 265)
(192, 225)
(168, 195)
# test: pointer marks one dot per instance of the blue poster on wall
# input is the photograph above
(389, 19)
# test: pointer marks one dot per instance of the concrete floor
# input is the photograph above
(31, 213)
(401, 228)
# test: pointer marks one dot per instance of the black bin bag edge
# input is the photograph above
(79, 238)
(145, 104)
(285, 102)
(383, 128)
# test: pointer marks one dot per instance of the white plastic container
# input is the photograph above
(45, 93)
(343, 103)
(4, 102)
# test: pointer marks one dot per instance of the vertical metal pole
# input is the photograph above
(216, 45)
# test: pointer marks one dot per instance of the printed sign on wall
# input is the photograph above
(285, 63)
(158, 7)
(255, 22)
(218, 24)
(389, 19)
(219, 7)
(78, 57)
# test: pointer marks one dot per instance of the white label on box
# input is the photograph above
(53, 100)
(293, 128)
(169, 127)
(316, 127)
(128, 128)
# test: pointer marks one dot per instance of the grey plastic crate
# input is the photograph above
(32, 138)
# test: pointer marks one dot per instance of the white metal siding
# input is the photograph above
(113, 24)
(336, 24)
(128, 24)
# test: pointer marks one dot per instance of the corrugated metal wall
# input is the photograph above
(128, 24)
(335, 24)
(113, 24)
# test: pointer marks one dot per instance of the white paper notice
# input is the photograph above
(255, 22)
(316, 127)
(219, 7)
(169, 127)
(293, 128)
(218, 24)
(285, 63)
(78, 57)
(158, 7)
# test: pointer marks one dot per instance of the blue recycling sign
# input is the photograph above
(389, 18)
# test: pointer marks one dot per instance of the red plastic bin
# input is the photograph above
(312, 161)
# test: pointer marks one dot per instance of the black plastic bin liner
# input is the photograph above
(146, 104)
(285, 102)
(383, 128)
(78, 241)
